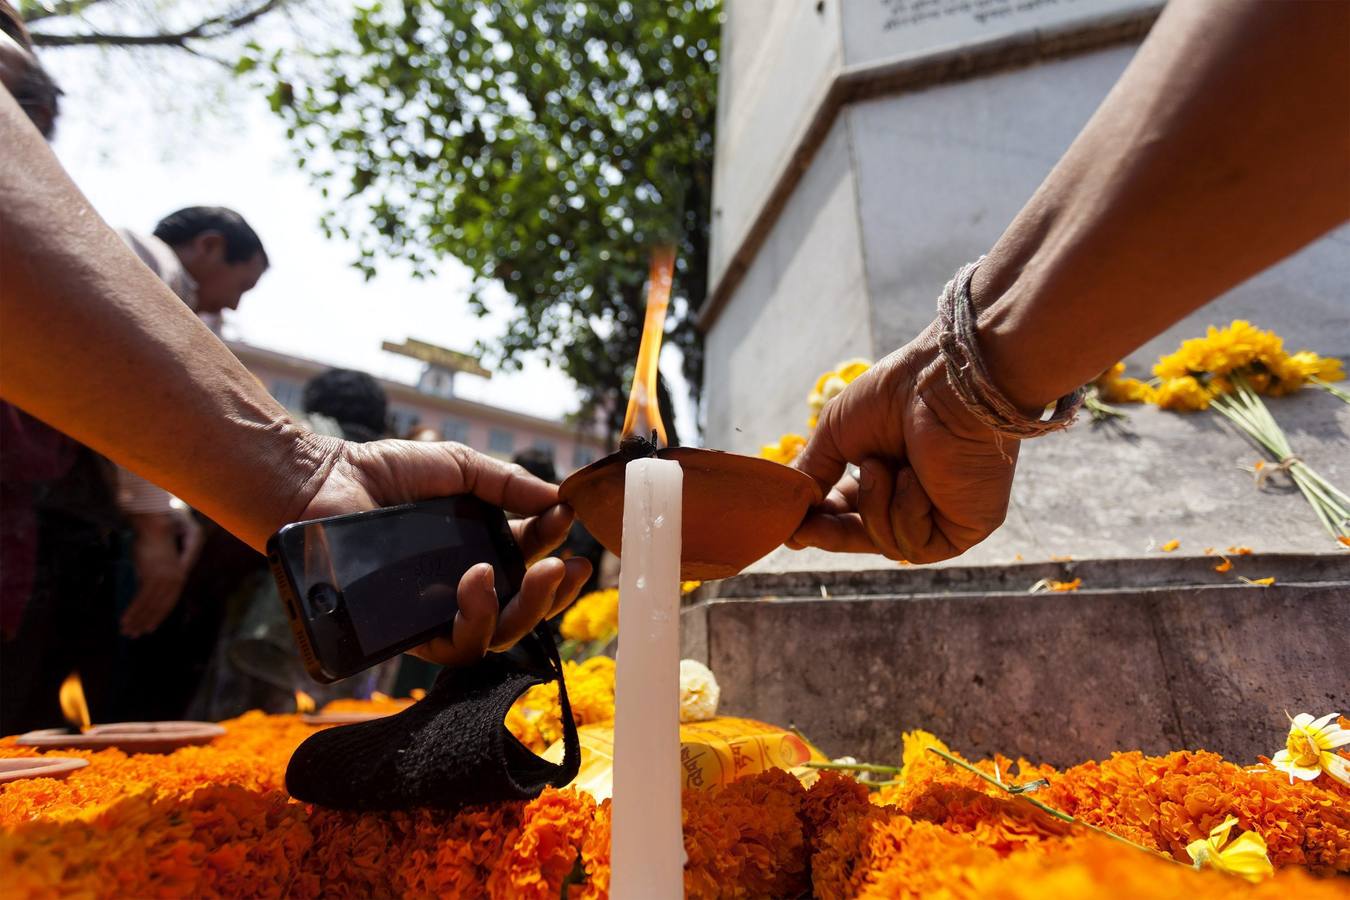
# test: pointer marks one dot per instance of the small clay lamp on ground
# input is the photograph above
(736, 508)
(129, 737)
(39, 767)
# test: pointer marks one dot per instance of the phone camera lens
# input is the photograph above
(324, 598)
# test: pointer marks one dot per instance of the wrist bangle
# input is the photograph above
(969, 377)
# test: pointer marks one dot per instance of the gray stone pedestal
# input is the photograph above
(868, 148)
(1153, 654)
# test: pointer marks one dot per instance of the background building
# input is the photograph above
(432, 404)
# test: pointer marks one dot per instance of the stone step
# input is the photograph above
(1057, 678)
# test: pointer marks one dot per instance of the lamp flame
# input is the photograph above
(643, 409)
(304, 703)
(73, 705)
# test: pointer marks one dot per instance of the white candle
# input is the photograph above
(647, 843)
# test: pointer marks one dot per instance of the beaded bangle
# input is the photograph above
(970, 378)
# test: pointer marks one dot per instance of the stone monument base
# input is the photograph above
(1155, 654)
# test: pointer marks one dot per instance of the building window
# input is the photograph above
(582, 456)
(501, 441)
(455, 430)
(289, 394)
(402, 421)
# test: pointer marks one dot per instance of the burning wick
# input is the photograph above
(304, 703)
(642, 399)
(73, 705)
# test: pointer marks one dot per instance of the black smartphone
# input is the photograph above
(364, 587)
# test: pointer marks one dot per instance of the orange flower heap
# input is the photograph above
(215, 821)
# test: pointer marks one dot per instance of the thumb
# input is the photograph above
(821, 458)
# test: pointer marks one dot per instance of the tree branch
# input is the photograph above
(36, 12)
(205, 30)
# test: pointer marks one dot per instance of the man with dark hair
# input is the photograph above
(208, 255)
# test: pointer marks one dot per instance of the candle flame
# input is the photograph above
(73, 705)
(304, 703)
(642, 404)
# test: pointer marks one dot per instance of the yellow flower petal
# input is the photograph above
(1246, 857)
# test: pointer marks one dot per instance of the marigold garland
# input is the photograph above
(215, 821)
(1202, 369)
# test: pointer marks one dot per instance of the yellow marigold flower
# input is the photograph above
(1311, 747)
(1183, 393)
(536, 718)
(1115, 389)
(1224, 566)
(1306, 364)
(592, 617)
(851, 369)
(785, 451)
(688, 586)
(1170, 545)
(1244, 856)
(830, 384)
(914, 751)
(1065, 586)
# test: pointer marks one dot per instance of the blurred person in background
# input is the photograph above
(209, 257)
(170, 607)
(58, 514)
(66, 509)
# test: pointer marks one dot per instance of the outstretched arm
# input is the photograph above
(95, 345)
(1222, 149)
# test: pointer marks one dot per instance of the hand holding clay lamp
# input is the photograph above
(130, 737)
(736, 508)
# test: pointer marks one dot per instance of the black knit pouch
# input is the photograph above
(449, 749)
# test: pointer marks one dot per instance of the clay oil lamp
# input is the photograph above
(736, 508)
(129, 737)
(39, 767)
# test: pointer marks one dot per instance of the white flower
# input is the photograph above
(699, 692)
(1310, 749)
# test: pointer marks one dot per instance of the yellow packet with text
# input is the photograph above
(714, 752)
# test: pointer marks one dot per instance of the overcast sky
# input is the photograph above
(137, 158)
